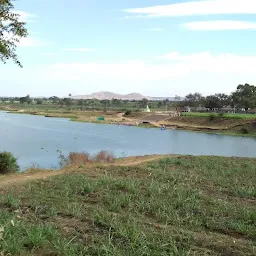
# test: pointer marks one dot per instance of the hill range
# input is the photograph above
(104, 95)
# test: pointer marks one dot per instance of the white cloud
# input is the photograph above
(25, 16)
(79, 49)
(130, 70)
(49, 54)
(171, 74)
(155, 29)
(169, 66)
(203, 7)
(30, 41)
(220, 25)
(219, 63)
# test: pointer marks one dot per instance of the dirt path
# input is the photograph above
(7, 181)
(16, 179)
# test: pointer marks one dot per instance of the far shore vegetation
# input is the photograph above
(233, 114)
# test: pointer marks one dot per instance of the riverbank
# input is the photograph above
(226, 125)
(155, 205)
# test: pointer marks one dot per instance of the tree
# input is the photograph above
(245, 96)
(39, 101)
(144, 102)
(54, 99)
(80, 102)
(212, 102)
(194, 100)
(177, 98)
(105, 103)
(67, 101)
(11, 31)
(160, 104)
(116, 102)
(26, 99)
(224, 99)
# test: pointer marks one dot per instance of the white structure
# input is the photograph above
(147, 109)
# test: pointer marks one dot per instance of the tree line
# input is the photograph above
(243, 98)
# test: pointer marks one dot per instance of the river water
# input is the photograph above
(37, 140)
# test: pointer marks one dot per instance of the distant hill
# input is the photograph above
(110, 95)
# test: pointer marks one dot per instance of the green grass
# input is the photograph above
(228, 115)
(175, 206)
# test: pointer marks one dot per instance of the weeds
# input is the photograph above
(81, 159)
(103, 157)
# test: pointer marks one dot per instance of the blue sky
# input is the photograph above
(158, 48)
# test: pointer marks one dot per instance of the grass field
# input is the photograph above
(227, 115)
(173, 206)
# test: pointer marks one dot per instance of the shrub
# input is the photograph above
(79, 158)
(212, 117)
(104, 157)
(128, 112)
(244, 130)
(8, 163)
(221, 115)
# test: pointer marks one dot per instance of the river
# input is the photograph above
(38, 140)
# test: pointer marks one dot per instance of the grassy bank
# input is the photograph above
(224, 115)
(172, 206)
(214, 123)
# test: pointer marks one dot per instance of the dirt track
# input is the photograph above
(17, 179)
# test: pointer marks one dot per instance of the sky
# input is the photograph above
(157, 48)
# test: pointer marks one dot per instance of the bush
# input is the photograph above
(212, 117)
(8, 163)
(221, 115)
(128, 112)
(104, 157)
(244, 130)
(79, 158)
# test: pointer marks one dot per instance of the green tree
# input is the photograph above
(11, 31)
(116, 102)
(105, 103)
(144, 102)
(26, 99)
(39, 101)
(245, 96)
(212, 102)
(224, 99)
(54, 99)
(194, 100)
(80, 102)
(67, 101)
(160, 104)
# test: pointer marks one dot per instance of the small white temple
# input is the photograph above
(147, 109)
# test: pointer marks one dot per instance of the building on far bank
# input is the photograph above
(147, 109)
(185, 109)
